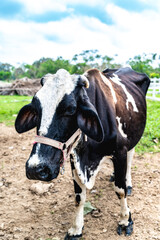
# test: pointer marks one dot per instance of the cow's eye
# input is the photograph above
(70, 110)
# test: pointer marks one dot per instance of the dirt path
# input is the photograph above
(25, 215)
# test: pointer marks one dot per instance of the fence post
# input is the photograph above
(154, 88)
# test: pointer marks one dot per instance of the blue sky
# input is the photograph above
(31, 29)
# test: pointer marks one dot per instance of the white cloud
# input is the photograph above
(130, 34)
(43, 6)
(153, 4)
(27, 42)
(135, 33)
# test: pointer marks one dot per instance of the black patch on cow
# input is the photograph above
(77, 187)
(118, 195)
(78, 199)
(72, 166)
(68, 106)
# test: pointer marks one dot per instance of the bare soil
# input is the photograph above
(47, 215)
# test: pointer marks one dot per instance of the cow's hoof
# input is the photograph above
(127, 229)
(129, 191)
(68, 237)
(119, 229)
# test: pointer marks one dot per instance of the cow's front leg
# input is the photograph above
(75, 232)
(130, 155)
(120, 166)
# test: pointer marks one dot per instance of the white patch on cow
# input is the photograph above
(78, 222)
(89, 184)
(120, 191)
(51, 94)
(109, 84)
(124, 208)
(129, 164)
(120, 127)
(124, 212)
(130, 99)
(80, 173)
(83, 175)
(34, 159)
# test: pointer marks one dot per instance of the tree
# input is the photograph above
(108, 62)
(31, 71)
(51, 66)
(144, 64)
(5, 71)
(6, 67)
(5, 75)
(89, 57)
(79, 68)
(18, 73)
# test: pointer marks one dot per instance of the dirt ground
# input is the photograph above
(26, 215)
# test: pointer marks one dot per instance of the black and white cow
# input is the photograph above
(108, 108)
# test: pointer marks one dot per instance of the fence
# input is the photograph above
(154, 89)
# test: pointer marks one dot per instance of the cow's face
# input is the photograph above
(58, 109)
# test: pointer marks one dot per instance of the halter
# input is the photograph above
(64, 147)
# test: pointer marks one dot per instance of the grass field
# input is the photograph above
(10, 106)
(150, 142)
(150, 95)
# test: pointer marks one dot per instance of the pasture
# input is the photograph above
(47, 215)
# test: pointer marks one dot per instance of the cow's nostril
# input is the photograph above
(43, 172)
(56, 171)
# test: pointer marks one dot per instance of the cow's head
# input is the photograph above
(58, 109)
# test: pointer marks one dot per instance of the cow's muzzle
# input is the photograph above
(41, 172)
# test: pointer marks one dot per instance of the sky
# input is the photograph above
(32, 29)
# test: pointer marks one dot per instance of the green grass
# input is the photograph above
(150, 142)
(150, 95)
(10, 106)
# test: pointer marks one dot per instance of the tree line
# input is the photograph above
(146, 63)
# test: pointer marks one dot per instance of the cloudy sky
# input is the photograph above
(32, 29)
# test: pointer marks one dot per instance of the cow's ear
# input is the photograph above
(26, 119)
(89, 122)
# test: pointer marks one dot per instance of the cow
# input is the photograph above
(85, 118)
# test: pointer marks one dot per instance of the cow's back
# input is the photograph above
(141, 80)
(124, 102)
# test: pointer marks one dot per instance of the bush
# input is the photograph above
(5, 75)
